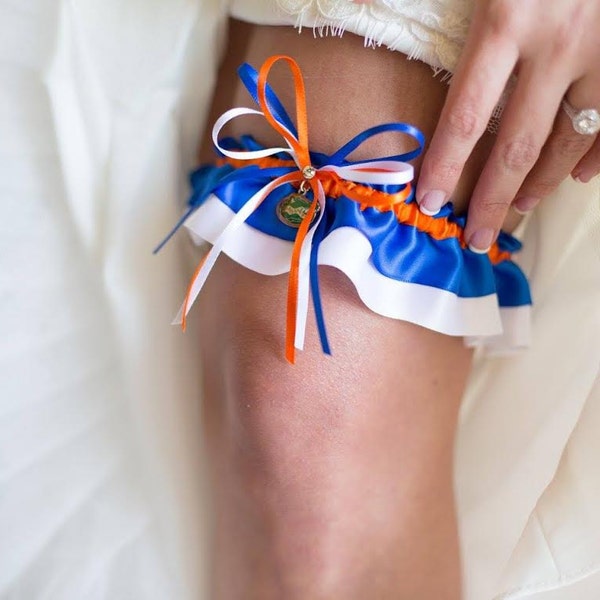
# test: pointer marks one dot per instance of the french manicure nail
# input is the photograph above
(525, 204)
(432, 202)
(481, 241)
(584, 176)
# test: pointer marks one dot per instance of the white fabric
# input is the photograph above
(100, 111)
(101, 104)
(431, 30)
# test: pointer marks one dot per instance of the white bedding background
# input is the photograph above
(101, 475)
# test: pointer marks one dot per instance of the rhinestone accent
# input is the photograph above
(309, 172)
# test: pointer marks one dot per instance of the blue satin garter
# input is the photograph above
(404, 265)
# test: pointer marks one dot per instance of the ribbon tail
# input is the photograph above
(194, 289)
(199, 279)
(175, 229)
(299, 281)
(207, 263)
(292, 295)
(307, 272)
(303, 295)
(315, 288)
(303, 289)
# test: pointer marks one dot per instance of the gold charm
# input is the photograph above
(292, 209)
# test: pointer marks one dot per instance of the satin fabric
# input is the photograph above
(399, 251)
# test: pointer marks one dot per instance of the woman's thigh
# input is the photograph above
(338, 465)
(342, 460)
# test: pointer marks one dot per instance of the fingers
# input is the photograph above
(589, 165)
(583, 95)
(526, 123)
(486, 65)
(563, 150)
(536, 147)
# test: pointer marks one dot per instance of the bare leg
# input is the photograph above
(332, 478)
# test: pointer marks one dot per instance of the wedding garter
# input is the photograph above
(289, 209)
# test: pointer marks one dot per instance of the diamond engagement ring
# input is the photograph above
(586, 121)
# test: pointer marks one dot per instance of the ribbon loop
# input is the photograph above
(338, 157)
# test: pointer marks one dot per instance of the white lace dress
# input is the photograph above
(431, 30)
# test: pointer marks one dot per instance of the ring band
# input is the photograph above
(586, 121)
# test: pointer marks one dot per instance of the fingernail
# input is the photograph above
(481, 241)
(584, 176)
(431, 202)
(525, 204)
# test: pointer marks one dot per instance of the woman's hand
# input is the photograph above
(554, 50)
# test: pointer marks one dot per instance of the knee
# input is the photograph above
(285, 426)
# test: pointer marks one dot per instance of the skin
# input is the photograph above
(331, 478)
(553, 49)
